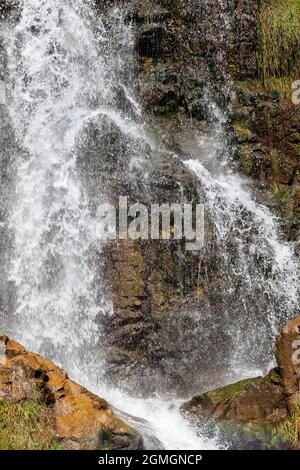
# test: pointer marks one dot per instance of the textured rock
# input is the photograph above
(9, 7)
(266, 129)
(251, 401)
(80, 419)
(288, 359)
(243, 39)
(157, 287)
(264, 411)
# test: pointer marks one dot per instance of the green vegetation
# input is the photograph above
(286, 434)
(26, 425)
(228, 392)
(281, 86)
(279, 54)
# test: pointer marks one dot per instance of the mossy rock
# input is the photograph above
(244, 134)
(249, 414)
(228, 392)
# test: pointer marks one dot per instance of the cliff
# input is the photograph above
(157, 287)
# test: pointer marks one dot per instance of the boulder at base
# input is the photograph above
(259, 413)
(60, 413)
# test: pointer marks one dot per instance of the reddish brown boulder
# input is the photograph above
(78, 418)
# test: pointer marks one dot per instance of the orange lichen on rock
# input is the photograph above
(79, 419)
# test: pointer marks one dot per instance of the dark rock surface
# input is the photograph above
(163, 296)
(267, 132)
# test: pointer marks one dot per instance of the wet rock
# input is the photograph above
(262, 412)
(250, 401)
(79, 419)
(164, 298)
(149, 42)
(243, 39)
(9, 8)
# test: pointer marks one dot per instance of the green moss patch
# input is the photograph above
(229, 391)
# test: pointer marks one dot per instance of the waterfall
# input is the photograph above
(260, 287)
(55, 80)
(62, 76)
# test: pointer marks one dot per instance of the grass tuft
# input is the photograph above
(279, 33)
(286, 434)
(26, 425)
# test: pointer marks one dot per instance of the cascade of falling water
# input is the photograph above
(260, 271)
(61, 75)
(55, 80)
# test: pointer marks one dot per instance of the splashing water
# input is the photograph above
(61, 76)
(261, 274)
(161, 423)
(55, 79)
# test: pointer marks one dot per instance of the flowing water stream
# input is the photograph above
(261, 291)
(63, 73)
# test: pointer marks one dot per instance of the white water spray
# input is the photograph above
(55, 81)
(60, 78)
(260, 269)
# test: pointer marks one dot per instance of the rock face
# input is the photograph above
(266, 128)
(157, 287)
(78, 419)
(262, 412)
(180, 44)
(288, 359)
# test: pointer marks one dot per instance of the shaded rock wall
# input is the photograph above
(266, 130)
(184, 44)
(181, 47)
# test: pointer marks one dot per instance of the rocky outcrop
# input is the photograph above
(76, 418)
(265, 123)
(262, 412)
(288, 359)
(266, 132)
